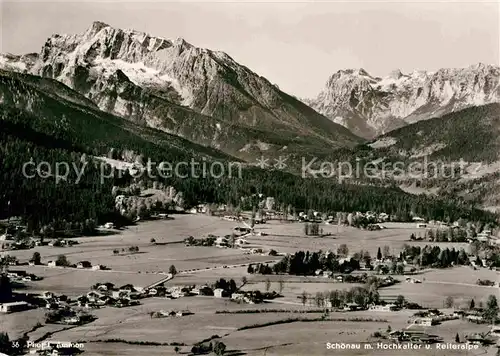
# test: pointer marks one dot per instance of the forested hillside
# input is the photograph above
(43, 126)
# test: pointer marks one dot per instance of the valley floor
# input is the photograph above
(205, 265)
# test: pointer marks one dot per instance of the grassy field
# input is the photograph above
(458, 283)
(289, 237)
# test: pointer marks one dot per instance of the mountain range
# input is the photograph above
(202, 95)
(370, 106)
(207, 97)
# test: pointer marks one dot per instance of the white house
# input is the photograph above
(237, 296)
(13, 307)
(47, 295)
(117, 294)
(97, 267)
(426, 321)
(219, 293)
(109, 225)
(384, 308)
(5, 237)
(52, 264)
(71, 320)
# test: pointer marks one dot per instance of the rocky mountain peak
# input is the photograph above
(172, 85)
(370, 106)
(395, 74)
(96, 27)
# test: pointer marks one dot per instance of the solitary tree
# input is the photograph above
(303, 298)
(343, 250)
(319, 299)
(282, 285)
(172, 270)
(400, 269)
(491, 310)
(379, 254)
(400, 301)
(152, 241)
(457, 338)
(387, 251)
(472, 304)
(36, 259)
(244, 281)
(250, 268)
(62, 261)
(219, 348)
(448, 302)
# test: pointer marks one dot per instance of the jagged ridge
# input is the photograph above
(175, 86)
(370, 106)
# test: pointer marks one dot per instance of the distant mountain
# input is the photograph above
(199, 94)
(370, 106)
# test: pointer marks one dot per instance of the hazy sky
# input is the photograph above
(296, 45)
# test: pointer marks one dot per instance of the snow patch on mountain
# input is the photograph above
(13, 63)
(383, 143)
(143, 76)
(427, 150)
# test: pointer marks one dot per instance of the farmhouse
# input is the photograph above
(178, 291)
(103, 286)
(238, 296)
(426, 321)
(120, 294)
(183, 313)
(52, 264)
(127, 288)
(384, 308)
(109, 225)
(47, 295)
(97, 267)
(220, 293)
(6, 237)
(221, 241)
(352, 307)
(13, 307)
(71, 320)
(202, 290)
(241, 241)
(413, 280)
(84, 264)
(483, 236)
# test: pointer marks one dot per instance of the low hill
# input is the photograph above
(455, 156)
